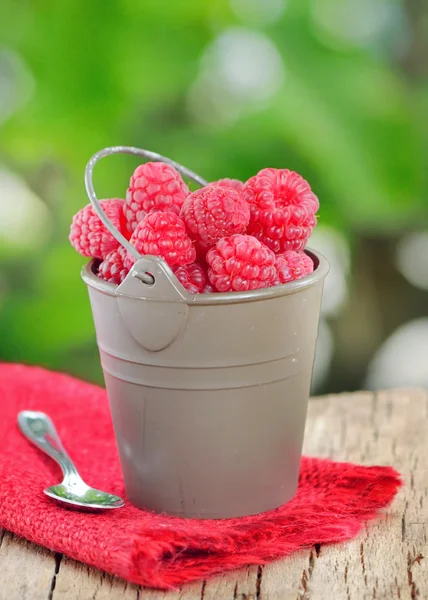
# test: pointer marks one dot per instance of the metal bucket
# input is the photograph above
(208, 392)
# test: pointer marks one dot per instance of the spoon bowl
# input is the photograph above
(83, 496)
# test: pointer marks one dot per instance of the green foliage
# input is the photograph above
(105, 73)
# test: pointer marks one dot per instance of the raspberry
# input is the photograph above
(193, 278)
(89, 236)
(292, 265)
(214, 212)
(162, 234)
(240, 263)
(113, 269)
(154, 187)
(283, 209)
(226, 182)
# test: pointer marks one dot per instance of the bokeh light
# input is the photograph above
(412, 258)
(240, 71)
(16, 83)
(379, 25)
(333, 245)
(402, 360)
(25, 221)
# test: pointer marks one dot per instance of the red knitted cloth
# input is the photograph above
(333, 500)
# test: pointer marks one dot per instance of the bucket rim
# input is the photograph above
(319, 273)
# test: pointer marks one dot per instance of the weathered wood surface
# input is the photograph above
(389, 560)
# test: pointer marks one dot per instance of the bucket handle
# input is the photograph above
(166, 314)
(147, 154)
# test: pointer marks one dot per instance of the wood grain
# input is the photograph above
(389, 560)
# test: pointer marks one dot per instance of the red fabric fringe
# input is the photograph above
(332, 503)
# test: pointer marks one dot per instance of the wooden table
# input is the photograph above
(389, 560)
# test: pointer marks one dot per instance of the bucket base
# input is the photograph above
(201, 454)
(214, 517)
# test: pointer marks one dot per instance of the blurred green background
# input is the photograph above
(335, 89)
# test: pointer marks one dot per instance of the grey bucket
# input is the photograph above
(208, 392)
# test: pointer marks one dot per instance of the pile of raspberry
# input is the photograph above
(228, 236)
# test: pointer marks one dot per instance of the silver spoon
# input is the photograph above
(39, 429)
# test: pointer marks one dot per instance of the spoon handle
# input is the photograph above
(39, 429)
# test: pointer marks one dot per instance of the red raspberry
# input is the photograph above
(283, 209)
(292, 265)
(154, 187)
(193, 278)
(226, 182)
(214, 212)
(240, 263)
(163, 234)
(89, 236)
(113, 269)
